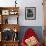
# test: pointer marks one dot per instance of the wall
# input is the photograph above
(27, 3)
(39, 12)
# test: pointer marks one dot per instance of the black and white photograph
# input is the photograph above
(30, 13)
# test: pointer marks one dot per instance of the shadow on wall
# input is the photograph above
(37, 29)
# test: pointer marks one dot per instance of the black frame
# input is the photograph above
(30, 11)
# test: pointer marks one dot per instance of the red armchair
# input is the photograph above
(28, 34)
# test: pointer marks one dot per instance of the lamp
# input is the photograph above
(15, 35)
(15, 30)
(15, 3)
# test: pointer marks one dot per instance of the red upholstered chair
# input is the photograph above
(29, 33)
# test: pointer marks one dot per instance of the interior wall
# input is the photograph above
(39, 13)
(26, 3)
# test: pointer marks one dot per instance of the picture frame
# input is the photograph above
(30, 13)
(13, 12)
(5, 12)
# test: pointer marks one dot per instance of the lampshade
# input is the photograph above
(15, 30)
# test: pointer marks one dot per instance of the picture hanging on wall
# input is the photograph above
(30, 13)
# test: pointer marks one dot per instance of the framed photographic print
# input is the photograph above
(30, 13)
(5, 12)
